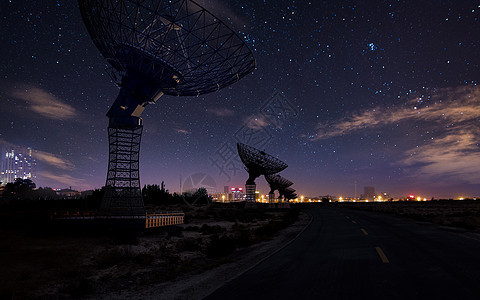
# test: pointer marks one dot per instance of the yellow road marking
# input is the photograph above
(382, 255)
(347, 217)
(364, 231)
(353, 221)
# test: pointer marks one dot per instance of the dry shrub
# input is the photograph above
(207, 229)
(189, 244)
(121, 255)
(220, 246)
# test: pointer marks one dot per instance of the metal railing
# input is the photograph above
(151, 220)
(164, 219)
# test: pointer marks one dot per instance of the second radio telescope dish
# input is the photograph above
(258, 162)
(277, 182)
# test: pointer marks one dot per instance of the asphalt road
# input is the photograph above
(347, 254)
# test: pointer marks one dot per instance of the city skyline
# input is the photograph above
(17, 162)
(381, 95)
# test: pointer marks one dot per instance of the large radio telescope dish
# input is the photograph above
(156, 47)
(180, 47)
(258, 162)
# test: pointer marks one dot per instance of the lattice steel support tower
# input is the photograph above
(122, 190)
(271, 199)
(250, 192)
(156, 47)
(123, 195)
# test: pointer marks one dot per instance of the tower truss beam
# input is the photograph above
(123, 195)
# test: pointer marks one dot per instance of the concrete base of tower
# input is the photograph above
(250, 196)
(271, 200)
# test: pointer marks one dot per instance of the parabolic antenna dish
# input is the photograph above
(157, 47)
(258, 162)
(291, 196)
(288, 192)
(177, 46)
(277, 182)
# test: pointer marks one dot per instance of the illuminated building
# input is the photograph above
(17, 162)
(368, 193)
(235, 194)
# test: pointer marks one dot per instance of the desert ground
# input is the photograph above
(42, 258)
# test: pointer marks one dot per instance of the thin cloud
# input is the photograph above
(50, 159)
(53, 160)
(44, 103)
(182, 131)
(221, 112)
(257, 122)
(454, 157)
(456, 105)
(65, 179)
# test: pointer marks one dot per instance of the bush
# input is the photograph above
(227, 215)
(188, 244)
(242, 235)
(290, 217)
(272, 227)
(174, 231)
(192, 228)
(110, 258)
(219, 247)
(268, 230)
(172, 258)
(249, 216)
(187, 219)
(143, 259)
(207, 229)
(80, 288)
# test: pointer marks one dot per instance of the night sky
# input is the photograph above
(381, 93)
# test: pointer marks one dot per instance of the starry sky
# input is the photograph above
(367, 93)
